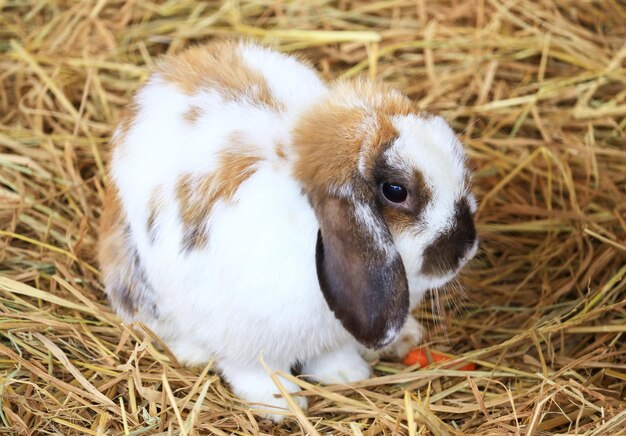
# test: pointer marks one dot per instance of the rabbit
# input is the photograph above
(261, 217)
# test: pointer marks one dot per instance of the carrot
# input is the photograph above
(423, 356)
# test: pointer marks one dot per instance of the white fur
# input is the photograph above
(340, 365)
(429, 145)
(253, 291)
(253, 383)
(291, 82)
(473, 205)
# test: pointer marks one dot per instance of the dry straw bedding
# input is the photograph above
(537, 90)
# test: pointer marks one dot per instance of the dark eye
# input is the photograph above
(394, 192)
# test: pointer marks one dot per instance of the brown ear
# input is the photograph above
(360, 271)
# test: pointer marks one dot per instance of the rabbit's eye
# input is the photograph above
(394, 192)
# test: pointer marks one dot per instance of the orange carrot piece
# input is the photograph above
(420, 355)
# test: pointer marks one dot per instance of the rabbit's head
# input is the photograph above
(390, 189)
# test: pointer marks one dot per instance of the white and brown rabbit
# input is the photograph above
(254, 210)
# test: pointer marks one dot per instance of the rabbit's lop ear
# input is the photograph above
(360, 271)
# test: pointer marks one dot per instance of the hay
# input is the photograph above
(538, 92)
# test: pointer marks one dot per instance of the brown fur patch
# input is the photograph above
(123, 276)
(421, 192)
(279, 149)
(385, 136)
(217, 66)
(328, 143)
(111, 211)
(154, 208)
(386, 133)
(197, 194)
(192, 114)
(398, 105)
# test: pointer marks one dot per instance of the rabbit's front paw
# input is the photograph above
(342, 365)
(255, 386)
(409, 337)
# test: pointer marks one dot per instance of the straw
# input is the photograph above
(537, 92)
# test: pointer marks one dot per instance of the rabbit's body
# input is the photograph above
(210, 230)
(213, 281)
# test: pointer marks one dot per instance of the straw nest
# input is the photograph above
(537, 91)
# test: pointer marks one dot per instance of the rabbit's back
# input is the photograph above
(206, 107)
